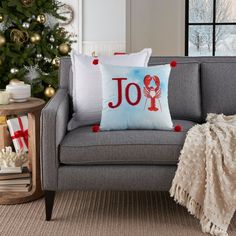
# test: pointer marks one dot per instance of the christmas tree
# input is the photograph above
(31, 44)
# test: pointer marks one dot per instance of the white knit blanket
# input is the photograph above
(205, 181)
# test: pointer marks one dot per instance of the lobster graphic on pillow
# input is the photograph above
(152, 93)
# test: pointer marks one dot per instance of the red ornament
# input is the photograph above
(178, 128)
(96, 128)
(173, 64)
(95, 61)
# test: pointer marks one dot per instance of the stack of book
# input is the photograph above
(15, 179)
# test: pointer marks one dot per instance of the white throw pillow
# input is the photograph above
(87, 83)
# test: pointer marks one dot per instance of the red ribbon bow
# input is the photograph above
(21, 134)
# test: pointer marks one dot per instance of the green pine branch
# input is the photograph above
(25, 54)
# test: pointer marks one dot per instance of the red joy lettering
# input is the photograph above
(127, 96)
(138, 94)
(119, 87)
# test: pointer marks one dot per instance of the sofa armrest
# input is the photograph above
(54, 119)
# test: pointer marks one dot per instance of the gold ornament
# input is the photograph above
(56, 62)
(2, 40)
(18, 36)
(27, 3)
(1, 18)
(49, 91)
(41, 18)
(3, 120)
(62, 32)
(64, 48)
(35, 38)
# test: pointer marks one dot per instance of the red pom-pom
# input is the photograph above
(96, 128)
(173, 64)
(95, 61)
(178, 128)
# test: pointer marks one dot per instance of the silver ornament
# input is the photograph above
(14, 71)
(33, 17)
(51, 21)
(26, 25)
(33, 72)
(47, 59)
(39, 56)
(5, 25)
(52, 39)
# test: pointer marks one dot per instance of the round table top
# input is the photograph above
(14, 108)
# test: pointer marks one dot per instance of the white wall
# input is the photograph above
(104, 26)
(107, 27)
(104, 20)
(159, 24)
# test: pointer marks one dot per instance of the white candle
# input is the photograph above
(4, 97)
(19, 92)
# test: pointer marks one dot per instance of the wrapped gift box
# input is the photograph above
(18, 128)
(5, 138)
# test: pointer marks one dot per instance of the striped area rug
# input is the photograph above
(87, 213)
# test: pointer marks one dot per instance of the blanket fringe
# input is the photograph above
(194, 208)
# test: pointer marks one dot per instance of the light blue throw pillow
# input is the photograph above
(135, 97)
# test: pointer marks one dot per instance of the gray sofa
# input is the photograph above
(132, 159)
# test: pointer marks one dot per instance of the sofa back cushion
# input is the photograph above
(218, 87)
(184, 88)
(185, 92)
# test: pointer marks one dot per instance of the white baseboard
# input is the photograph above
(103, 47)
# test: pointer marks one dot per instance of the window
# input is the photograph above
(210, 28)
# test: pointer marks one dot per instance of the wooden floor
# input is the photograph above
(103, 214)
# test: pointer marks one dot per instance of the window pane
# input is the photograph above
(226, 40)
(200, 11)
(200, 40)
(225, 11)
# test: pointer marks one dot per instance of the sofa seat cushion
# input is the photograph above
(83, 147)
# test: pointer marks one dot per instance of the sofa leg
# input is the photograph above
(49, 201)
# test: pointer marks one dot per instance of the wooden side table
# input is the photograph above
(33, 108)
